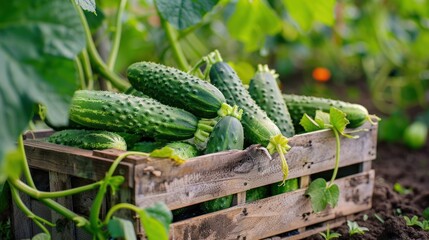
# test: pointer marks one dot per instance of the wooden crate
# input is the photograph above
(284, 216)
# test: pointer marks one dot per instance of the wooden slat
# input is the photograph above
(38, 134)
(216, 175)
(66, 228)
(114, 153)
(72, 161)
(274, 215)
(21, 221)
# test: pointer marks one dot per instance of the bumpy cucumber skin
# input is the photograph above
(256, 194)
(183, 150)
(298, 105)
(289, 186)
(258, 128)
(88, 139)
(227, 135)
(264, 90)
(120, 112)
(146, 146)
(176, 88)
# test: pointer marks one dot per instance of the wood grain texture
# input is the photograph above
(220, 174)
(72, 161)
(274, 215)
(65, 228)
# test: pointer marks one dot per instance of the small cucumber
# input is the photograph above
(298, 105)
(227, 135)
(258, 128)
(176, 88)
(88, 139)
(265, 91)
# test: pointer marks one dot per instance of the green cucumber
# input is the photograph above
(298, 105)
(120, 112)
(130, 138)
(289, 186)
(256, 194)
(88, 139)
(258, 128)
(227, 135)
(264, 90)
(146, 146)
(176, 88)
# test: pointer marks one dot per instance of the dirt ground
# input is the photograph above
(395, 164)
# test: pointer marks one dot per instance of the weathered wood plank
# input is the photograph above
(65, 229)
(38, 134)
(220, 174)
(72, 161)
(114, 153)
(21, 221)
(274, 215)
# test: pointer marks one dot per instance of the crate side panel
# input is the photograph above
(72, 161)
(215, 175)
(277, 214)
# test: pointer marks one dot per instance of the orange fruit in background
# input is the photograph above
(321, 74)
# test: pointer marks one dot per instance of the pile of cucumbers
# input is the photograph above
(170, 108)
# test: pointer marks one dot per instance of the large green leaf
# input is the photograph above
(88, 5)
(306, 12)
(121, 228)
(184, 13)
(252, 21)
(156, 221)
(39, 40)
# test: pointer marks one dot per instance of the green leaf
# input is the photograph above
(41, 236)
(338, 119)
(252, 21)
(39, 40)
(322, 119)
(88, 5)
(316, 191)
(306, 12)
(425, 213)
(121, 228)
(156, 221)
(95, 20)
(184, 13)
(309, 124)
(332, 195)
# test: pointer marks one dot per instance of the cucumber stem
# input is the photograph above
(116, 35)
(204, 128)
(370, 119)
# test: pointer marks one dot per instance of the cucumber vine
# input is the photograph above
(320, 192)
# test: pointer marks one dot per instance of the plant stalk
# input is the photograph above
(95, 58)
(117, 35)
(175, 45)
